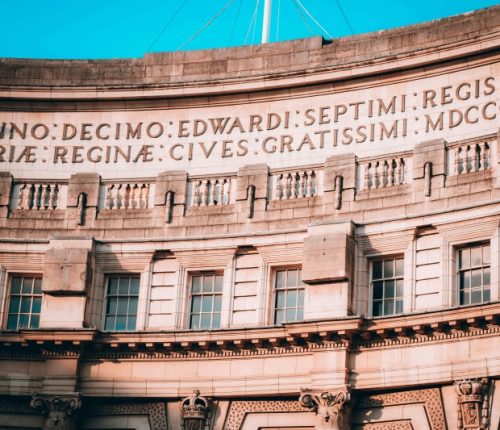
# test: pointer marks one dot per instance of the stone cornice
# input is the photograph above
(304, 62)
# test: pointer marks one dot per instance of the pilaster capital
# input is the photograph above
(332, 408)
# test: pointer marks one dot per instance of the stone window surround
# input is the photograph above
(7, 298)
(274, 291)
(190, 295)
(107, 276)
(383, 258)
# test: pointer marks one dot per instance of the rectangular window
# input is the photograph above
(289, 296)
(25, 302)
(122, 297)
(387, 286)
(474, 274)
(206, 301)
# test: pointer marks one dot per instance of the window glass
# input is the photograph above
(206, 301)
(387, 286)
(122, 299)
(474, 274)
(289, 296)
(25, 302)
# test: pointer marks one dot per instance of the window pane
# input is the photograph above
(486, 254)
(196, 304)
(280, 279)
(134, 286)
(112, 306)
(291, 299)
(205, 321)
(196, 284)
(300, 314)
(475, 256)
(290, 314)
(208, 282)
(206, 304)
(132, 306)
(131, 323)
(377, 270)
(24, 321)
(486, 276)
(12, 322)
(217, 303)
(110, 323)
(35, 321)
(280, 316)
(464, 297)
(26, 305)
(218, 283)
(476, 278)
(123, 286)
(388, 269)
(464, 258)
(476, 295)
(14, 305)
(378, 290)
(37, 305)
(377, 308)
(300, 301)
(121, 323)
(389, 289)
(113, 286)
(399, 306)
(465, 280)
(38, 286)
(388, 307)
(280, 299)
(16, 286)
(122, 306)
(195, 322)
(486, 295)
(292, 278)
(399, 267)
(216, 321)
(399, 288)
(27, 286)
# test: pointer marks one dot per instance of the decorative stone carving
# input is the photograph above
(82, 205)
(169, 206)
(339, 187)
(472, 404)
(59, 411)
(195, 410)
(428, 178)
(332, 409)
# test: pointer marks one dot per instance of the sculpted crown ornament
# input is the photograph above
(58, 410)
(195, 410)
(332, 408)
(472, 404)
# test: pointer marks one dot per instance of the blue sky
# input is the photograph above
(126, 28)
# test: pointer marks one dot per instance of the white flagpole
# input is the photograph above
(266, 25)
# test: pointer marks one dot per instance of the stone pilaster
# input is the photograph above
(59, 410)
(195, 409)
(472, 404)
(332, 408)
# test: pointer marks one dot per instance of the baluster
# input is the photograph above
(377, 174)
(392, 168)
(457, 160)
(309, 188)
(277, 187)
(213, 194)
(367, 175)
(43, 196)
(196, 193)
(399, 171)
(204, 192)
(487, 155)
(468, 158)
(475, 158)
(385, 174)
(288, 187)
(53, 196)
(302, 184)
(314, 183)
(481, 159)
(226, 190)
(293, 185)
(21, 198)
(117, 197)
(109, 197)
(38, 197)
(145, 195)
(126, 196)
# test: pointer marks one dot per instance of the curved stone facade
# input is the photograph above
(288, 236)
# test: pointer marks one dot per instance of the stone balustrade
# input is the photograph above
(383, 172)
(39, 196)
(133, 195)
(469, 158)
(295, 184)
(211, 191)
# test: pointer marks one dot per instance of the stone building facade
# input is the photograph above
(302, 235)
